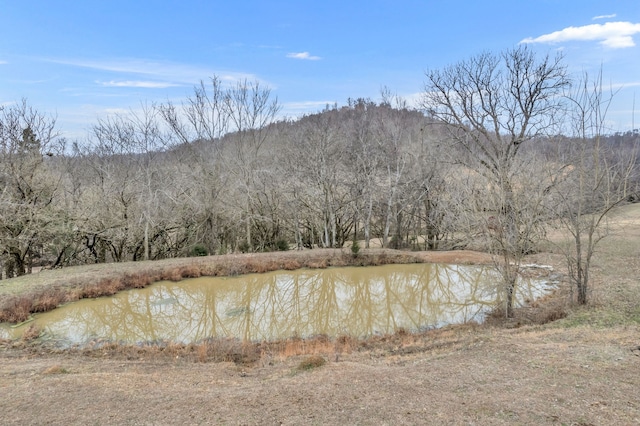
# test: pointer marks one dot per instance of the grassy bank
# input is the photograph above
(44, 291)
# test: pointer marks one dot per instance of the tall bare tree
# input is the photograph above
(135, 141)
(251, 111)
(591, 179)
(316, 151)
(199, 123)
(28, 185)
(490, 106)
(363, 160)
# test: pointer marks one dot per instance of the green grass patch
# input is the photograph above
(311, 362)
(600, 317)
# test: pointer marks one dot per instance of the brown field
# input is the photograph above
(583, 369)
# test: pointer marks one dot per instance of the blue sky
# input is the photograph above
(81, 60)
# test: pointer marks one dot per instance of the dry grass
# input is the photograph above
(252, 354)
(31, 333)
(464, 375)
(16, 309)
(55, 369)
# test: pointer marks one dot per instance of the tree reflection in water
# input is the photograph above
(335, 301)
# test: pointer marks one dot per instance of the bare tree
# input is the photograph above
(134, 144)
(363, 160)
(316, 151)
(28, 185)
(490, 106)
(591, 180)
(251, 111)
(199, 123)
(201, 117)
(397, 150)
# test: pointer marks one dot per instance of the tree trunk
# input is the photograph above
(146, 239)
(18, 265)
(367, 223)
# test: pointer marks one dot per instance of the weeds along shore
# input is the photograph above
(20, 297)
(317, 349)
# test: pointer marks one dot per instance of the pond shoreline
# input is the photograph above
(91, 281)
(353, 301)
(44, 291)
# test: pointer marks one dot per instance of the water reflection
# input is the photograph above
(354, 301)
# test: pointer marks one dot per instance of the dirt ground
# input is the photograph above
(526, 376)
(581, 370)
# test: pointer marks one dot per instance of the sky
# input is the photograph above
(83, 60)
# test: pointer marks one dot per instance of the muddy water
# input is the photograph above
(354, 301)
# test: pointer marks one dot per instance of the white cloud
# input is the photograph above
(595, 18)
(179, 73)
(140, 84)
(615, 35)
(134, 66)
(3, 62)
(303, 55)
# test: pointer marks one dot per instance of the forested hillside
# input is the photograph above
(222, 173)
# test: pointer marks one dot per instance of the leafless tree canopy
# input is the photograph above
(480, 165)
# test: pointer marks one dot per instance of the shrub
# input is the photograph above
(311, 362)
(199, 250)
(282, 245)
(355, 248)
(243, 247)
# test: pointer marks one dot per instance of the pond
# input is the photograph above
(356, 301)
